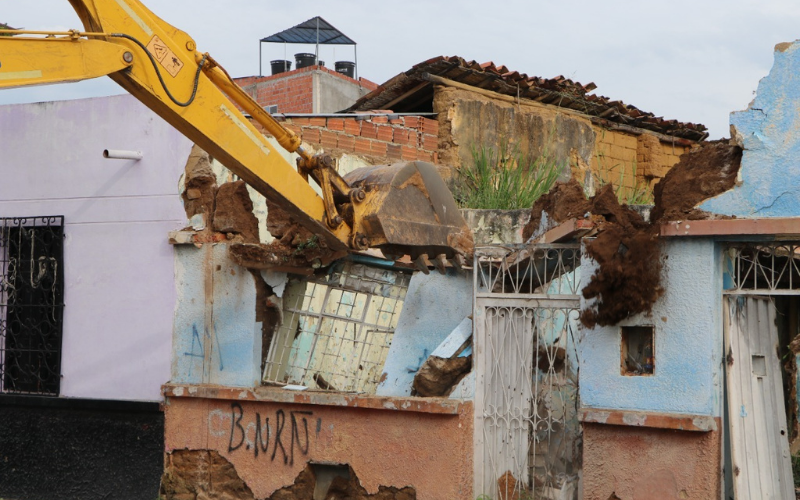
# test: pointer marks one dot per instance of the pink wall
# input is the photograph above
(650, 464)
(385, 447)
(119, 270)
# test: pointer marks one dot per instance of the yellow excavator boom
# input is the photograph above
(160, 65)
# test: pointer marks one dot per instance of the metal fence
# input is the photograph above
(763, 268)
(31, 304)
(337, 328)
(527, 435)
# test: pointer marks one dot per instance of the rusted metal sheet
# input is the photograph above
(441, 406)
(699, 423)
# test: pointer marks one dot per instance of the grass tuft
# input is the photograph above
(506, 178)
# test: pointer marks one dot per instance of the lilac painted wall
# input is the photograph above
(119, 268)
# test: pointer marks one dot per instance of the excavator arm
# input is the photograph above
(401, 209)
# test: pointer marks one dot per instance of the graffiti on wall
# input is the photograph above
(277, 436)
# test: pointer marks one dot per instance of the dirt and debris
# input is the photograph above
(193, 474)
(233, 212)
(340, 488)
(201, 185)
(438, 376)
(627, 248)
(196, 474)
(225, 213)
(701, 174)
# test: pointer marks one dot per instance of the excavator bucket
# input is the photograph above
(409, 210)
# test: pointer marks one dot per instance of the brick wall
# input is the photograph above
(402, 139)
(630, 160)
(292, 91)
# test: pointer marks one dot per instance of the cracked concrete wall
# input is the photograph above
(768, 131)
(270, 443)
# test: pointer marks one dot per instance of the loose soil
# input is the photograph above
(627, 249)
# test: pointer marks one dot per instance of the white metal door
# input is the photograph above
(527, 434)
(759, 440)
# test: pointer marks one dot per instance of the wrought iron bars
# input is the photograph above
(544, 271)
(772, 267)
(31, 304)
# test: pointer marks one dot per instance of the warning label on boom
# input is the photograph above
(164, 55)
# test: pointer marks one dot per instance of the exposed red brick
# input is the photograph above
(335, 124)
(396, 121)
(380, 119)
(327, 139)
(346, 142)
(430, 142)
(408, 153)
(318, 122)
(362, 145)
(400, 135)
(385, 133)
(300, 121)
(430, 126)
(436, 157)
(379, 148)
(412, 122)
(394, 151)
(369, 130)
(311, 135)
(352, 126)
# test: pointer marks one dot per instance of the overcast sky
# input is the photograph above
(688, 60)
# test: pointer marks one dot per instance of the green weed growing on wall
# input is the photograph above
(505, 178)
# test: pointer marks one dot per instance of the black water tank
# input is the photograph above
(346, 68)
(304, 60)
(280, 66)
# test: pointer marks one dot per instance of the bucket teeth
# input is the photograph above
(441, 263)
(423, 263)
(458, 262)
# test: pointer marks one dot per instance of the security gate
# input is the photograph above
(527, 435)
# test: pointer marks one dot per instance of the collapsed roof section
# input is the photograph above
(412, 91)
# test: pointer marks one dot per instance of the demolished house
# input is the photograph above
(296, 375)
(581, 354)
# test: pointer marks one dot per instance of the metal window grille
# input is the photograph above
(31, 304)
(337, 328)
(763, 268)
(527, 434)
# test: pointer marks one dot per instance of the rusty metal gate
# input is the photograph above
(527, 435)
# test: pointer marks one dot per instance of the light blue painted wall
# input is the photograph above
(768, 131)
(434, 306)
(688, 341)
(217, 339)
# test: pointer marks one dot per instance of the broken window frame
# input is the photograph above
(632, 365)
(352, 303)
(31, 304)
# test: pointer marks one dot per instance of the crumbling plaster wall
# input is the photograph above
(434, 306)
(642, 462)
(769, 183)
(430, 452)
(592, 154)
(688, 341)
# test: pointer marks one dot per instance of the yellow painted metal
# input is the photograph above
(41, 61)
(160, 66)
